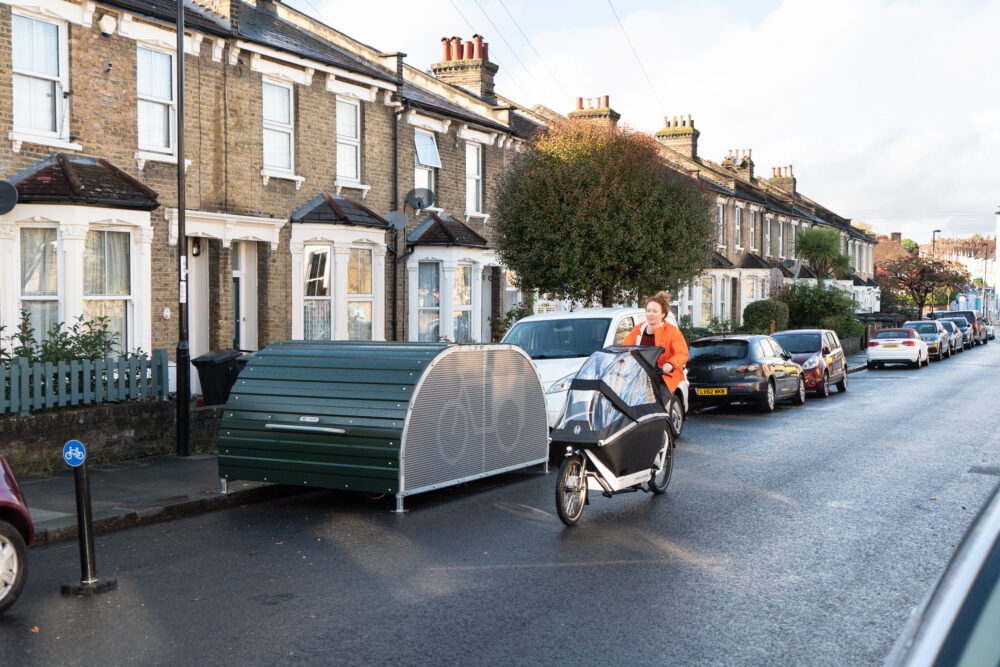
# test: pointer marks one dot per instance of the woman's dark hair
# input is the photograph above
(663, 299)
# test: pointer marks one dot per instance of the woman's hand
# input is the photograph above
(669, 370)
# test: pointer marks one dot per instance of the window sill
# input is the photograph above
(352, 185)
(430, 209)
(24, 137)
(142, 157)
(268, 174)
(477, 214)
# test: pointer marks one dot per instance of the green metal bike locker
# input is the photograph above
(382, 417)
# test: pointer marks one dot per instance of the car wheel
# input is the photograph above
(677, 416)
(13, 564)
(871, 366)
(766, 403)
(823, 390)
(842, 385)
(800, 395)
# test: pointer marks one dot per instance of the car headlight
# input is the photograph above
(811, 362)
(932, 338)
(562, 384)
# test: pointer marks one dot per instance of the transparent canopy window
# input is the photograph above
(626, 378)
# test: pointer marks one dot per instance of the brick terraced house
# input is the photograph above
(299, 142)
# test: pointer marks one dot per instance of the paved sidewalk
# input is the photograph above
(857, 362)
(136, 492)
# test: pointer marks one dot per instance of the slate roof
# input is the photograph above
(81, 179)
(256, 24)
(804, 271)
(428, 101)
(325, 208)
(195, 18)
(871, 282)
(752, 260)
(442, 229)
(523, 126)
(718, 261)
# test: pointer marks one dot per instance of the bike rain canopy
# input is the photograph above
(614, 388)
(382, 417)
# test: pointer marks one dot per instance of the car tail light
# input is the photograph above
(873, 343)
(748, 369)
(910, 343)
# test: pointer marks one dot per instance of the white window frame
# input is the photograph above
(368, 297)
(275, 126)
(330, 280)
(469, 307)
(428, 169)
(59, 138)
(720, 214)
(767, 234)
(348, 140)
(781, 239)
(738, 228)
(795, 228)
(58, 297)
(476, 178)
(753, 230)
(126, 341)
(171, 150)
(438, 307)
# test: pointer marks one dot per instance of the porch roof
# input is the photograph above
(442, 229)
(326, 208)
(82, 179)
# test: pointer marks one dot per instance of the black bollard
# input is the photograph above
(89, 583)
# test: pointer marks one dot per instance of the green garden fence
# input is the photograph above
(26, 388)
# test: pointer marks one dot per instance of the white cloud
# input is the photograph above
(887, 110)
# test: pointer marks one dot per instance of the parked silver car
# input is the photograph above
(936, 336)
(956, 335)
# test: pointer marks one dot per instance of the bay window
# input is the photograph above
(38, 59)
(107, 289)
(155, 93)
(473, 177)
(40, 278)
(428, 301)
(360, 297)
(279, 127)
(462, 303)
(348, 140)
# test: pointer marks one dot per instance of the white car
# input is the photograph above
(897, 346)
(560, 342)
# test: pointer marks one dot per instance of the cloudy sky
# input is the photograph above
(889, 112)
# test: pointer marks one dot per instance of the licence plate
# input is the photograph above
(717, 391)
(890, 346)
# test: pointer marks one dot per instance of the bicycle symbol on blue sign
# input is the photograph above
(74, 453)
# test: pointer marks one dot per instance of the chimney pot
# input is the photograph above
(690, 122)
(675, 122)
(456, 48)
(579, 103)
(666, 121)
(683, 122)
(469, 49)
(477, 52)
(446, 44)
(486, 51)
(605, 103)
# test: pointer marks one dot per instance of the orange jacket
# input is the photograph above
(670, 339)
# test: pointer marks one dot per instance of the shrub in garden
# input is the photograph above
(758, 315)
(813, 306)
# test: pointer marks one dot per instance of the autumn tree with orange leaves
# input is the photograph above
(590, 212)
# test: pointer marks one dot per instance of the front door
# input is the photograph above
(487, 305)
(244, 261)
(198, 340)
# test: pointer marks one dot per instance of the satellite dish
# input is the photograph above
(397, 219)
(420, 198)
(8, 197)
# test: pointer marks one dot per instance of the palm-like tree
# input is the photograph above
(820, 247)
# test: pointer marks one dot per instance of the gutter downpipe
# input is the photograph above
(395, 206)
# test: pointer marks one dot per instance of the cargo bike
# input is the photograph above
(615, 429)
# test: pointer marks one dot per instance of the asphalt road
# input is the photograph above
(804, 537)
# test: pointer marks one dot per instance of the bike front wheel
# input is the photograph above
(571, 490)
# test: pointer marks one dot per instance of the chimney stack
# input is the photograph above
(680, 135)
(782, 178)
(897, 237)
(597, 109)
(467, 65)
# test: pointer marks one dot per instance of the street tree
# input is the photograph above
(590, 212)
(820, 248)
(910, 245)
(922, 277)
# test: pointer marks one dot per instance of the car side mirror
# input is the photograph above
(786, 356)
(826, 350)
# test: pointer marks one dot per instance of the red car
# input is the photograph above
(821, 356)
(16, 533)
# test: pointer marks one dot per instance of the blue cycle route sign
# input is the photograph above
(74, 453)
